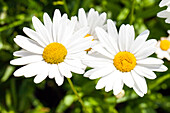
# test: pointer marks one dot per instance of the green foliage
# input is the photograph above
(21, 95)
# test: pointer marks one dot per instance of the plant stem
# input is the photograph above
(132, 12)
(75, 92)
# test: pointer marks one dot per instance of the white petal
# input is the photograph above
(40, 28)
(23, 53)
(164, 3)
(145, 53)
(163, 14)
(28, 44)
(143, 71)
(102, 82)
(26, 60)
(82, 17)
(102, 72)
(118, 86)
(48, 25)
(75, 39)
(87, 43)
(97, 62)
(43, 74)
(28, 70)
(35, 36)
(162, 68)
(127, 79)
(123, 37)
(139, 41)
(54, 73)
(103, 37)
(75, 63)
(137, 90)
(101, 50)
(64, 70)
(77, 70)
(112, 31)
(56, 22)
(140, 81)
(150, 61)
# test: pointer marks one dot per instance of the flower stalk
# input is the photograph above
(75, 92)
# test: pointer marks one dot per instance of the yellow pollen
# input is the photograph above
(54, 53)
(92, 40)
(124, 61)
(165, 45)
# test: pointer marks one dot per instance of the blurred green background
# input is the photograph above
(22, 95)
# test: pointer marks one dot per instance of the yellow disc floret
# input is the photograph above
(165, 45)
(54, 53)
(124, 61)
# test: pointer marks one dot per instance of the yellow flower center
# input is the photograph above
(165, 45)
(124, 61)
(54, 53)
(92, 40)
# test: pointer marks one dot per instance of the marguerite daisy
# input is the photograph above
(165, 13)
(53, 50)
(123, 59)
(163, 48)
(92, 20)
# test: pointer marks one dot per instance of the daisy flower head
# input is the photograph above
(92, 20)
(163, 48)
(122, 59)
(165, 13)
(52, 50)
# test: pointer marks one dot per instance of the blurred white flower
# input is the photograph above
(122, 59)
(92, 20)
(53, 49)
(165, 13)
(163, 48)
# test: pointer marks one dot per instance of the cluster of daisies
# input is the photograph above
(163, 46)
(60, 46)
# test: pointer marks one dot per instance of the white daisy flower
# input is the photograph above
(163, 48)
(165, 13)
(122, 59)
(53, 49)
(92, 20)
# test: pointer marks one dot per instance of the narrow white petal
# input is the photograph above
(35, 36)
(77, 70)
(102, 82)
(48, 25)
(28, 70)
(59, 79)
(150, 61)
(56, 22)
(75, 39)
(26, 60)
(75, 63)
(43, 74)
(101, 50)
(82, 17)
(28, 44)
(123, 37)
(127, 79)
(23, 53)
(102, 72)
(163, 14)
(164, 3)
(104, 39)
(118, 86)
(40, 28)
(162, 68)
(112, 30)
(137, 90)
(140, 81)
(64, 70)
(139, 41)
(148, 73)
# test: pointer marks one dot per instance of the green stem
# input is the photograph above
(74, 90)
(132, 12)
